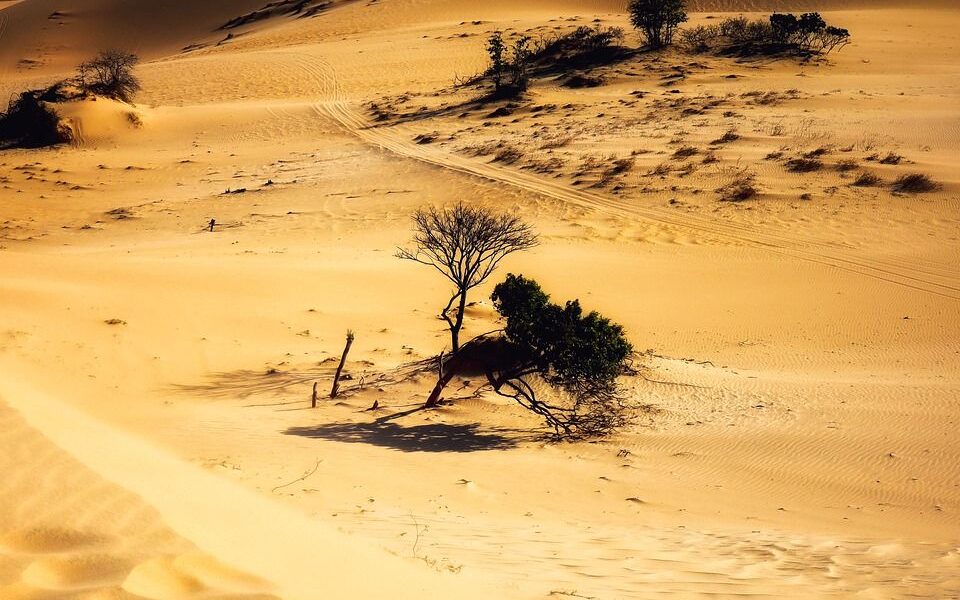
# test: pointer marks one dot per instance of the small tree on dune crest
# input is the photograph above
(657, 20)
(496, 50)
(465, 244)
(110, 73)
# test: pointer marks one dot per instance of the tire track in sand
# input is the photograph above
(335, 106)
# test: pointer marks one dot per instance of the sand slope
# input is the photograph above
(802, 371)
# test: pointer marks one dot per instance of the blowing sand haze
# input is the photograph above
(535, 300)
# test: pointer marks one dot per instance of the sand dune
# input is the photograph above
(803, 353)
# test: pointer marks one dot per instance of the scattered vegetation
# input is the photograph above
(30, 120)
(782, 34)
(914, 183)
(511, 67)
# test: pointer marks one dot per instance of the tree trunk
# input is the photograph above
(343, 360)
(313, 398)
(444, 378)
(458, 323)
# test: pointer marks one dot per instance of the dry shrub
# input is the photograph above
(508, 155)
(914, 183)
(684, 152)
(660, 170)
(803, 165)
(740, 187)
(891, 159)
(846, 165)
(866, 179)
(728, 137)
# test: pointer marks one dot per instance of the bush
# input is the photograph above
(657, 20)
(579, 355)
(803, 165)
(806, 35)
(512, 66)
(582, 48)
(740, 187)
(110, 74)
(29, 122)
(914, 183)
(866, 179)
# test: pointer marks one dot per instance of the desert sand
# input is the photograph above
(800, 350)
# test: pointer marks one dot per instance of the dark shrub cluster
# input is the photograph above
(512, 65)
(580, 355)
(30, 122)
(807, 35)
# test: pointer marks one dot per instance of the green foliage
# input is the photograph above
(657, 20)
(806, 35)
(582, 355)
(496, 50)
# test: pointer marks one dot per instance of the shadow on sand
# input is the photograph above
(431, 437)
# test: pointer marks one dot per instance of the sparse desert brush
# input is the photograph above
(891, 159)
(687, 169)
(710, 157)
(660, 170)
(729, 136)
(817, 152)
(847, 164)
(781, 35)
(557, 141)
(621, 165)
(508, 155)
(616, 169)
(803, 165)
(775, 155)
(914, 183)
(866, 179)
(741, 186)
(685, 152)
(544, 165)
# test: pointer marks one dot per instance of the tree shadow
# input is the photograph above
(431, 437)
(244, 383)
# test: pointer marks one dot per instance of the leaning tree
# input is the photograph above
(464, 244)
(553, 360)
(578, 356)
